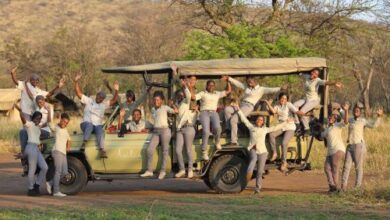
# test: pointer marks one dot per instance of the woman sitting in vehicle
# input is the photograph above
(93, 118)
(135, 125)
(312, 99)
(185, 134)
(257, 148)
(208, 106)
(285, 111)
(336, 148)
(161, 133)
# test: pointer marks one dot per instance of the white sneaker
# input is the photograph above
(48, 187)
(59, 194)
(161, 175)
(205, 156)
(147, 174)
(190, 174)
(218, 146)
(180, 174)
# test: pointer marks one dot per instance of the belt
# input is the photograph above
(243, 101)
(208, 111)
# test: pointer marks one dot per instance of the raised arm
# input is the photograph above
(270, 90)
(60, 84)
(77, 86)
(115, 97)
(243, 118)
(271, 109)
(142, 98)
(171, 108)
(236, 83)
(121, 117)
(376, 123)
(277, 127)
(13, 75)
(346, 112)
(228, 89)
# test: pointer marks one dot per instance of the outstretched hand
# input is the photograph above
(225, 77)
(122, 113)
(339, 85)
(61, 83)
(78, 77)
(116, 85)
(13, 70)
(170, 103)
(346, 106)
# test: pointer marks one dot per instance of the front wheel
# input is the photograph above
(227, 174)
(77, 178)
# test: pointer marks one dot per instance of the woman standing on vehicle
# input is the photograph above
(161, 133)
(33, 154)
(285, 111)
(312, 99)
(256, 147)
(336, 148)
(185, 129)
(356, 149)
(208, 113)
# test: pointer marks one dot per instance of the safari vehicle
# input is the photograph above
(226, 170)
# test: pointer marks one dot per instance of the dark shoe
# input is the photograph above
(306, 133)
(82, 147)
(121, 135)
(32, 192)
(103, 153)
(332, 189)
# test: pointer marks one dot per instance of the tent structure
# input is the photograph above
(233, 67)
(8, 99)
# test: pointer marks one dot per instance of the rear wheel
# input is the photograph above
(227, 174)
(77, 178)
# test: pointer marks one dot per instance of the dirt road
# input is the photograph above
(13, 188)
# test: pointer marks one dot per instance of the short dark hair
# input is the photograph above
(137, 110)
(316, 69)
(65, 115)
(210, 81)
(36, 114)
(39, 97)
(159, 93)
(283, 94)
(130, 93)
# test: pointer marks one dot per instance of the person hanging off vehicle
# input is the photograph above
(93, 118)
(312, 99)
(253, 92)
(208, 113)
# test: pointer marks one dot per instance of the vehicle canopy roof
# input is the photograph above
(234, 67)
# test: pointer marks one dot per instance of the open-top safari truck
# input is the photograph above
(226, 170)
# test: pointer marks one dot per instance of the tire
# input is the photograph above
(207, 182)
(78, 178)
(227, 174)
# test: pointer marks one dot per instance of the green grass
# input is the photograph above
(295, 206)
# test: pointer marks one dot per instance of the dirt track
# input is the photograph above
(13, 188)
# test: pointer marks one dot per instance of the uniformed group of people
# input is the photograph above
(190, 106)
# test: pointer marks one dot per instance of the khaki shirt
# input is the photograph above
(333, 135)
(33, 132)
(61, 138)
(209, 101)
(257, 134)
(26, 104)
(356, 129)
(252, 95)
(94, 112)
(285, 113)
(160, 116)
(186, 115)
(311, 87)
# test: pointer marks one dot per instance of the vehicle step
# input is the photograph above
(109, 177)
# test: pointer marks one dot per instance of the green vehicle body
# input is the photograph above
(225, 171)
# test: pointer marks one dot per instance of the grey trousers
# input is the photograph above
(355, 153)
(88, 128)
(185, 137)
(23, 137)
(205, 118)
(261, 159)
(160, 136)
(305, 106)
(232, 118)
(61, 169)
(332, 168)
(287, 135)
(35, 159)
